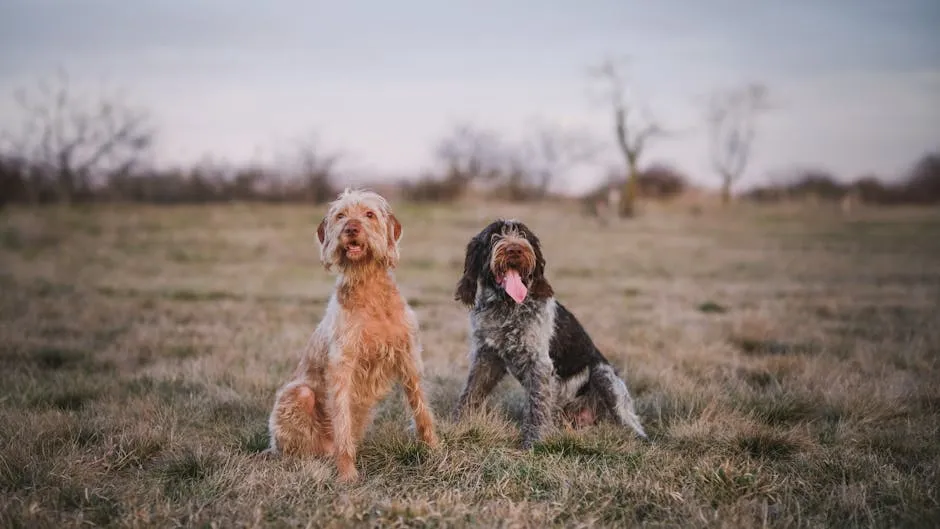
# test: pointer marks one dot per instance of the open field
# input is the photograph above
(786, 365)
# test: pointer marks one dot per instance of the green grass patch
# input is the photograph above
(710, 307)
(188, 474)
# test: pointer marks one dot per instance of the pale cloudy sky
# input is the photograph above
(858, 81)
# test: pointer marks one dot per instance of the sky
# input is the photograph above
(855, 83)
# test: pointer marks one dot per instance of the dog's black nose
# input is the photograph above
(351, 229)
(514, 251)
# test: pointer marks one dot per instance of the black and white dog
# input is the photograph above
(516, 325)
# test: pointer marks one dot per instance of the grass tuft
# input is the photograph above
(68, 400)
(768, 445)
(57, 357)
(188, 474)
(254, 442)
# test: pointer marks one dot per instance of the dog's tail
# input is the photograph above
(618, 397)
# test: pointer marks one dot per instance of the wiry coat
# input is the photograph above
(367, 339)
(538, 341)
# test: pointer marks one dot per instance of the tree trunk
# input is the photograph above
(628, 198)
(726, 193)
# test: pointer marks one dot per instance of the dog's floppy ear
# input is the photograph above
(540, 288)
(327, 247)
(473, 262)
(321, 230)
(394, 234)
(394, 228)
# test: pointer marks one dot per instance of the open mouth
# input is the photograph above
(512, 283)
(354, 249)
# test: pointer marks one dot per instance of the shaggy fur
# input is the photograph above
(367, 340)
(537, 340)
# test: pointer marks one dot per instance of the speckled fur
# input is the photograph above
(539, 342)
(366, 341)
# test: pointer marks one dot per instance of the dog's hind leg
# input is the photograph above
(615, 395)
(295, 424)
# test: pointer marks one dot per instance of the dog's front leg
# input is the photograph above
(536, 377)
(486, 370)
(344, 443)
(411, 381)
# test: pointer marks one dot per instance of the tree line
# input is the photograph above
(920, 184)
(69, 148)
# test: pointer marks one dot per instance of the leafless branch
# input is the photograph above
(731, 117)
(471, 154)
(75, 141)
(634, 126)
(551, 151)
(318, 167)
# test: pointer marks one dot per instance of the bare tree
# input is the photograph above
(317, 170)
(75, 140)
(551, 151)
(515, 179)
(634, 127)
(517, 170)
(471, 154)
(731, 117)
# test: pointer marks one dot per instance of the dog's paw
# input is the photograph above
(347, 472)
(431, 440)
(350, 476)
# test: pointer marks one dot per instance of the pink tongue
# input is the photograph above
(512, 283)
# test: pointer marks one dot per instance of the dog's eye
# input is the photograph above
(340, 216)
(370, 214)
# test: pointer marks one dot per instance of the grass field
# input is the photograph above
(786, 364)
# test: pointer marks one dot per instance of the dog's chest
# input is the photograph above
(382, 333)
(514, 327)
(375, 329)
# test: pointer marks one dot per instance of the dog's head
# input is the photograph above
(507, 256)
(359, 227)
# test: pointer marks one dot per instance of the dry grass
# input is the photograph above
(785, 364)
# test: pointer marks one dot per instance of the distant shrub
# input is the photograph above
(873, 191)
(818, 183)
(22, 182)
(516, 185)
(921, 185)
(662, 182)
(205, 183)
(428, 188)
(804, 184)
(657, 182)
(12, 181)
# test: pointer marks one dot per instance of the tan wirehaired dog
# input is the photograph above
(367, 340)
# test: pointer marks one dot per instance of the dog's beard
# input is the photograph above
(353, 250)
(511, 275)
(356, 251)
(342, 251)
(366, 247)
